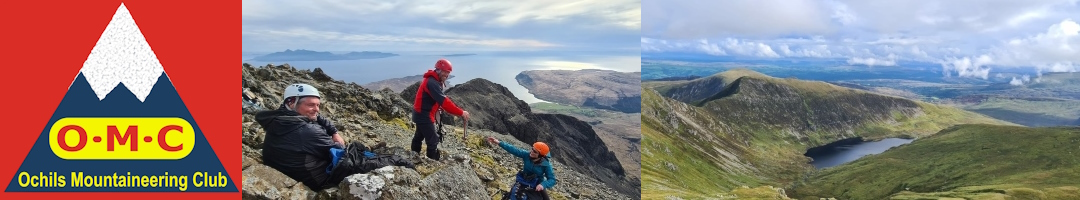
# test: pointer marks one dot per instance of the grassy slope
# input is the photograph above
(1030, 112)
(694, 152)
(1052, 101)
(966, 161)
(565, 109)
(659, 154)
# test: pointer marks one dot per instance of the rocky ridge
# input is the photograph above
(574, 142)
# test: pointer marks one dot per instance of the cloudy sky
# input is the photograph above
(967, 37)
(439, 25)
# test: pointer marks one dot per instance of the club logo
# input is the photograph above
(121, 127)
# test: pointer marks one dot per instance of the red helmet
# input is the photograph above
(443, 65)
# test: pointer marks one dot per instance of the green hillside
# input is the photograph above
(754, 130)
(966, 161)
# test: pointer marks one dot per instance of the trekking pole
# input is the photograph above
(466, 128)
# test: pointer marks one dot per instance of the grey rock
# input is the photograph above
(262, 182)
(319, 75)
(366, 186)
(455, 182)
(254, 154)
(254, 135)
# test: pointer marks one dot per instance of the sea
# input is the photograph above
(499, 67)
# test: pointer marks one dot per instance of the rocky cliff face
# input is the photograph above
(603, 89)
(695, 90)
(807, 106)
(574, 142)
(470, 169)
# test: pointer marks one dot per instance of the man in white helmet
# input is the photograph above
(306, 147)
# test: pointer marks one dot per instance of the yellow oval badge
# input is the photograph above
(82, 138)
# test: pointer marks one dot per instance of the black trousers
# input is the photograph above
(526, 193)
(354, 162)
(425, 132)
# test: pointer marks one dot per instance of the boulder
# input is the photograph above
(262, 182)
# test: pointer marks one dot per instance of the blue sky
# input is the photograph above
(967, 37)
(436, 25)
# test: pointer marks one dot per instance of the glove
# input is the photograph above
(368, 154)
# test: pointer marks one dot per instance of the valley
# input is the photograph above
(705, 138)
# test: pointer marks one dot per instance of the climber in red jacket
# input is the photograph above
(429, 99)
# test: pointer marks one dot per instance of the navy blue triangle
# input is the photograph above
(81, 101)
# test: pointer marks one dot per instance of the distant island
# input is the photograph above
(308, 55)
(458, 55)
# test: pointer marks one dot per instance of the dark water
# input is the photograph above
(848, 150)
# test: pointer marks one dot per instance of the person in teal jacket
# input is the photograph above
(537, 173)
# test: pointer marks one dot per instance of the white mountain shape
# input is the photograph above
(122, 55)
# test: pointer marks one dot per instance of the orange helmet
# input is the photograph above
(443, 65)
(541, 147)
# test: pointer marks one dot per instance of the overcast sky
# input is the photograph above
(967, 37)
(439, 25)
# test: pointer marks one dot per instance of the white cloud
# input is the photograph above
(727, 46)
(895, 16)
(690, 19)
(1022, 80)
(1062, 67)
(1056, 49)
(811, 51)
(414, 25)
(900, 41)
(749, 48)
(711, 49)
(842, 14)
(969, 38)
(968, 67)
(1015, 81)
(891, 61)
(306, 35)
(623, 13)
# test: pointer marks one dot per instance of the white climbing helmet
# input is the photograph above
(300, 90)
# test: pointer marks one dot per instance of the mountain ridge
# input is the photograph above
(574, 142)
(754, 131)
